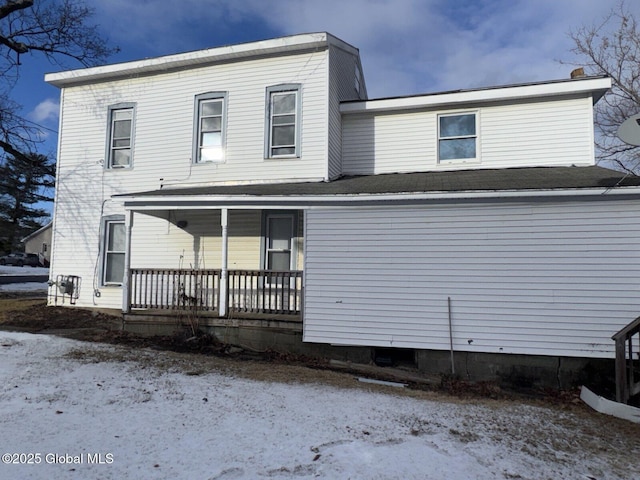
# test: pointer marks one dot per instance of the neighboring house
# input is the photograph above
(39, 243)
(258, 185)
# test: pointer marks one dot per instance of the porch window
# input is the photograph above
(114, 252)
(283, 121)
(209, 134)
(279, 234)
(120, 136)
(457, 137)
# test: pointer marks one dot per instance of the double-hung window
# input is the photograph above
(279, 244)
(209, 135)
(283, 121)
(120, 136)
(279, 241)
(114, 240)
(458, 137)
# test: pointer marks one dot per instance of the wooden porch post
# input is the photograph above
(223, 269)
(622, 385)
(126, 297)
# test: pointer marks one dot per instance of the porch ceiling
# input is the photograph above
(384, 186)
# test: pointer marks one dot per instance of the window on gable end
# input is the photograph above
(282, 128)
(120, 136)
(458, 137)
(209, 127)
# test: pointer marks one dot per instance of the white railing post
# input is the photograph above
(126, 299)
(224, 270)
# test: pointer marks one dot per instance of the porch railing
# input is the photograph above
(248, 291)
(177, 289)
(627, 370)
(265, 291)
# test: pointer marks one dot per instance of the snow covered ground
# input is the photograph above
(87, 411)
(11, 270)
(23, 287)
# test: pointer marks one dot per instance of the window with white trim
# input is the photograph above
(114, 241)
(283, 121)
(458, 137)
(209, 135)
(279, 236)
(120, 136)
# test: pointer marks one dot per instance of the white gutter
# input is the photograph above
(260, 201)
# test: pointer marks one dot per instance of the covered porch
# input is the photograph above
(213, 262)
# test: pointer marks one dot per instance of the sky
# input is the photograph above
(407, 46)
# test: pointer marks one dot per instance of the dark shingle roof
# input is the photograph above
(509, 179)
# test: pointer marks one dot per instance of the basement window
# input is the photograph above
(394, 357)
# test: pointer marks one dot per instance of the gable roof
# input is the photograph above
(532, 179)
(37, 232)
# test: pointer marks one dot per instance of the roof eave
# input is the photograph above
(596, 86)
(277, 46)
(149, 202)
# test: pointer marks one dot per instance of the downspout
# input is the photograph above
(223, 270)
(126, 281)
(453, 368)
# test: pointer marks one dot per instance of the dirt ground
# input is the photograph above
(599, 434)
(26, 313)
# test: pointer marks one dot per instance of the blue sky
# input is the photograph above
(407, 46)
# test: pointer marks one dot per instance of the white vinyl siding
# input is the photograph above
(164, 127)
(164, 145)
(545, 278)
(157, 242)
(553, 132)
(343, 67)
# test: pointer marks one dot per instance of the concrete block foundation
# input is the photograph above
(518, 372)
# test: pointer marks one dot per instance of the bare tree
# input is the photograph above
(59, 30)
(612, 48)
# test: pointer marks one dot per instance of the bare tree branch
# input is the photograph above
(13, 6)
(612, 48)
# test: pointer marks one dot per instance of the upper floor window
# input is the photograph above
(457, 137)
(209, 135)
(120, 136)
(283, 121)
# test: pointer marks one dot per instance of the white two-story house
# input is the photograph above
(259, 187)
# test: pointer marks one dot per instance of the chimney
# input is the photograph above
(578, 73)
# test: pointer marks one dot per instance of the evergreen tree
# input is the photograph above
(25, 182)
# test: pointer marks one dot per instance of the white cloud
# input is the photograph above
(407, 46)
(45, 111)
